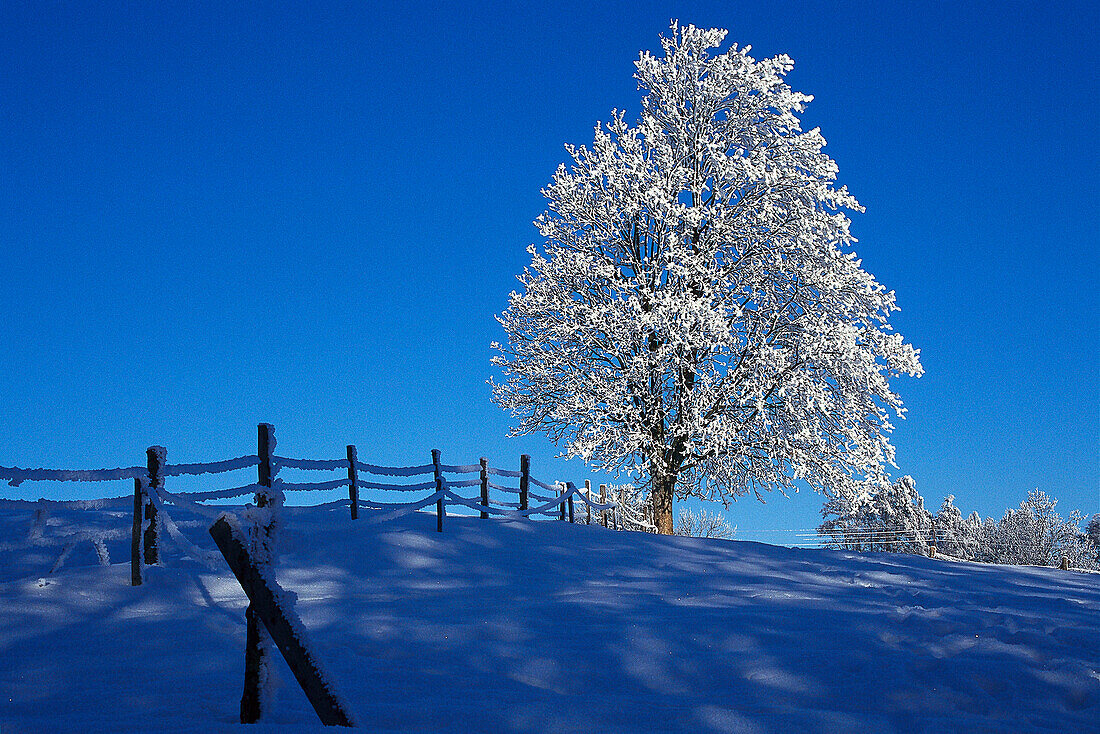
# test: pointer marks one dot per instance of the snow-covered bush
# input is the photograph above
(704, 524)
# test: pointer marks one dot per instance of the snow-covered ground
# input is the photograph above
(546, 627)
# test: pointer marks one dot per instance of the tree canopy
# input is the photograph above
(695, 315)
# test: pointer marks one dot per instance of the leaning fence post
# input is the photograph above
(484, 487)
(353, 482)
(265, 611)
(135, 537)
(440, 508)
(524, 480)
(156, 456)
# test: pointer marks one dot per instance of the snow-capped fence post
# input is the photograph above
(1065, 564)
(484, 487)
(524, 480)
(603, 501)
(569, 488)
(588, 496)
(353, 482)
(561, 501)
(135, 536)
(440, 508)
(156, 456)
(255, 653)
(263, 606)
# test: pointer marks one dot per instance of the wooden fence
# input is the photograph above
(152, 501)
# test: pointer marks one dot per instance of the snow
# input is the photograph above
(516, 626)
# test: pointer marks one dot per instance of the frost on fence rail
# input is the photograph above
(221, 494)
(207, 558)
(398, 487)
(460, 468)
(544, 485)
(16, 476)
(396, 509)
(310, 464)
(505, 473)
(211, 467)
(313, 486)
(395, 471)
(503, 488)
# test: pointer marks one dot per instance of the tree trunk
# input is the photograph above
(661, 498)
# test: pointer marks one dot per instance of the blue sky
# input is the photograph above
(309, 214)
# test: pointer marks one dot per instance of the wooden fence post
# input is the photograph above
(255, 653)
(603, 501)
(263, 607)
(588, 496)
(484, 487)
(156, 456)
(440, 508)
(561, 503)
(569, 488)
(353, 482)
(264, 450)
(524, 480)
(1065, 564)
(135, 537)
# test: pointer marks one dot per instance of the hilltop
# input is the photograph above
(548, 627)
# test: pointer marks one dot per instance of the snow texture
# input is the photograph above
(502, 626)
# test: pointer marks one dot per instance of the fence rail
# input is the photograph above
(154, 503)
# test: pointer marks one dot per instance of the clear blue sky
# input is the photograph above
(308, 214)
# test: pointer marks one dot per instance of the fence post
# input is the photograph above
(440, 508)
(603, 501)
(156, 456)
(524, 480)
(1065, 564)
(569, 488)
(588, 496)
(255, 651)
(353, 482)
(135, 537)
(484, 487)
(561, 503)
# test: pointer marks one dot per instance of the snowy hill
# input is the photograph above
(548, 627)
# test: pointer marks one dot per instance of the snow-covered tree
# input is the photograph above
(696, 316)
(892, 518)
(954, 535)
(1035, 534)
